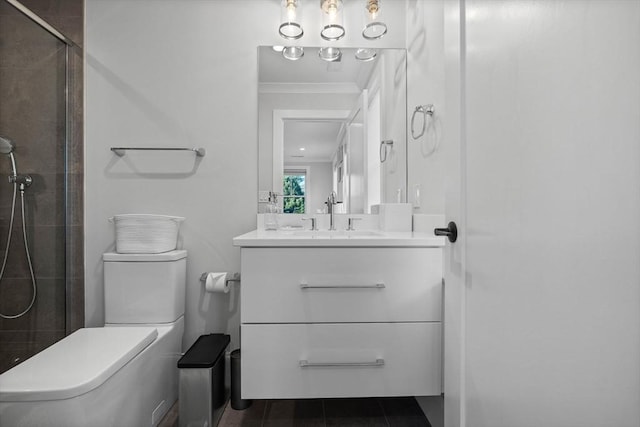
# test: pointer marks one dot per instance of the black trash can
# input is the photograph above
(237, 402)
(202, 389)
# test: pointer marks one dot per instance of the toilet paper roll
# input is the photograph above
(216, 282)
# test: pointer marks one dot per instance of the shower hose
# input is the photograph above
(26, 248)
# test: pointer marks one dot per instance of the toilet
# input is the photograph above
(123, 374)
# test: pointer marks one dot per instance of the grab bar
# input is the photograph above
(200, 152)
(307, 364)
(374, 286)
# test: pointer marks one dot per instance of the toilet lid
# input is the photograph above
(75, 365)
(175, 255)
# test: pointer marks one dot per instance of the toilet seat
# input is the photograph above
(75, 365)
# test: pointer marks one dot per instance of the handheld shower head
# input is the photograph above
(6, 146)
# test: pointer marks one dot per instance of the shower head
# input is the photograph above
(6, 146)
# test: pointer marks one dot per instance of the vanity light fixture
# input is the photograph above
(332, 28)
(293, 53)
(374, 28)
(290, 27)
(330, 54)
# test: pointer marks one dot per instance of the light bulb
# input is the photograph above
(332, 10)
(331, 7)
(290, 27)
(372, 8)
(332, 28)
(291, 9)
(374, 28)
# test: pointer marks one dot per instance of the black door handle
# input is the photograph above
(451, 232)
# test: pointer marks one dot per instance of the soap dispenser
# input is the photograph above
(271, 216)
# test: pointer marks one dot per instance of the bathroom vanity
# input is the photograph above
(340, 314)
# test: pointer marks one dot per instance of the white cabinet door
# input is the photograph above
(341, 360)
(297, 285)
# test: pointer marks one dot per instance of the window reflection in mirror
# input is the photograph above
(294, 198)
(327, 119)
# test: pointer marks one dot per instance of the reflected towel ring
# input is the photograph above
(383, 149)
(426, 110)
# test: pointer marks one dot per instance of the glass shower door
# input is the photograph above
(33, 115)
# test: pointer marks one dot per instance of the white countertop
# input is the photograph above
(325, 238)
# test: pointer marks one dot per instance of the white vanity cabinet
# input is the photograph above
(337, 321)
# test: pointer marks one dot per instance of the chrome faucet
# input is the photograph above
(350, 226)
(313, 223)
(331, 202)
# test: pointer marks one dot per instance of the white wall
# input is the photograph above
(184, 73)
(425, 80)
(357, 177)
(393, 100)
(426, 165)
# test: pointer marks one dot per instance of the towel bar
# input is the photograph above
(200, 152)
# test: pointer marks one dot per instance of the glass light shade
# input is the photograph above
(290, 27)
(332, 25)
(374, 27)
(293, 53)
(329, 54)
(366, 54)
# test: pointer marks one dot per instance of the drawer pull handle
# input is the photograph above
(374, 286)
(307, 364)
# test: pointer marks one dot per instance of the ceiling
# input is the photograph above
(318, 138)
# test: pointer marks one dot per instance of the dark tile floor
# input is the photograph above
(373, 412)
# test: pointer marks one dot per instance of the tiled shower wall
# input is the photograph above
(33, 114)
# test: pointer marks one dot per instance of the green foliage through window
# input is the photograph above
(293, 188)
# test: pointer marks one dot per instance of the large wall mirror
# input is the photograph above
(332, 126)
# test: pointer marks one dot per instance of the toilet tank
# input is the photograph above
(144, 288)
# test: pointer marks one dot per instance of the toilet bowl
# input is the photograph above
(122, 374)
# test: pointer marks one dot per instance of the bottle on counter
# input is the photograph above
(271, 215)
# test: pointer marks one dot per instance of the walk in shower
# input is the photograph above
(41, 289)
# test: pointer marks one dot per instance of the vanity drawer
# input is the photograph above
(321, 360)
(296, 285)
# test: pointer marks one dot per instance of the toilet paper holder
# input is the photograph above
(235, 278)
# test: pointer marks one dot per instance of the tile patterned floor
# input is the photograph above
(373, 412)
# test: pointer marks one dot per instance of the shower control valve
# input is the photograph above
(22, 180)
